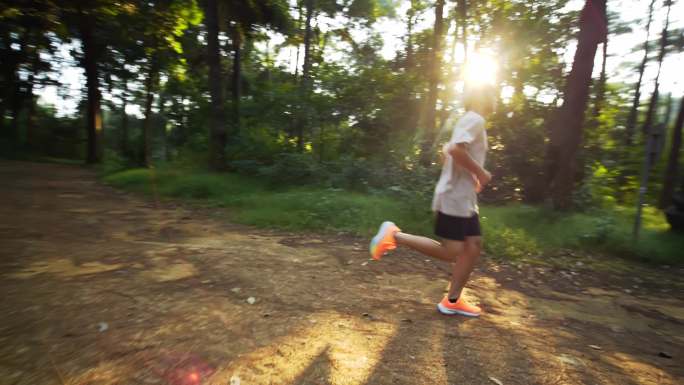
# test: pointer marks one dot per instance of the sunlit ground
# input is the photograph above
(102, 287)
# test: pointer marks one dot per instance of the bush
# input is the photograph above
(602, 230)
(511, 243)
(246, 167)
(348, 173)
(112, 162)
(291, 169)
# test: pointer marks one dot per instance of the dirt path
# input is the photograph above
(103, 287)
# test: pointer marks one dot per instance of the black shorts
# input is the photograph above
(457, 228)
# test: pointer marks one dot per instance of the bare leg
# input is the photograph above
(464, 265)
(447, 251)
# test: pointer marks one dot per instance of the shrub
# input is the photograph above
(112, 162)
(293, 169)
(246, 167)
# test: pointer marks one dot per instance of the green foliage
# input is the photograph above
(511, 243)
(112, 162)
(135, 179)
(371, 9)
(292, 169)
(352, 174)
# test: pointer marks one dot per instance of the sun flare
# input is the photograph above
(481, 69)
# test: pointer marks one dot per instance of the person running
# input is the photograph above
(457, 222)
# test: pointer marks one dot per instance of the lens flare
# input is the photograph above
(481, 68)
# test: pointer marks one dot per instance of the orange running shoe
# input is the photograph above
(459, 307)
(383, 240)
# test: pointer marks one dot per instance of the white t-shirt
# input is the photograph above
(455, 193)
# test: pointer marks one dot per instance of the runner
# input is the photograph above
(457, 221)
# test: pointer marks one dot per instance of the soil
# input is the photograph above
(100, 286)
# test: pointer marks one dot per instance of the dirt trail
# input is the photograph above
(103, 287)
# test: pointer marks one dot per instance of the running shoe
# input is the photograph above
(459, 307)
(383, 240)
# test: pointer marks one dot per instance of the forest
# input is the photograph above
(243, 192)
(335, 96)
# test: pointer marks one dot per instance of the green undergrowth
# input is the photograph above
(516, 232)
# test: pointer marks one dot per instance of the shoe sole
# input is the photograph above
(447, 311)
(377, 238)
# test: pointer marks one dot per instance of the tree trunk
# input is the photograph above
(237, 76)
(459, 22)
(10, 65)
(566, 131)
(668, 112)
(15, 109)
(463, 12)
(30, 114)
(123, 141)
(217, 129)
(163, 120)
(31, 98)
(409, 35)
(306, 77)
(601, 87)
(16, 96)
(4, 132)
(653, 104)
(94, 112)
(182, 134)
(633, 112)
(299, 28)
(150, 87)
(427, 149)
(673, 161)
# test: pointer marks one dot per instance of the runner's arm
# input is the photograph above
(460, 155)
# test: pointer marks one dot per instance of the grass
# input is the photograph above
(530, 231)
(513, 232)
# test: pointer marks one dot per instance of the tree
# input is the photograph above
(123, 56)
(648, 121)
(633, 112)
(245, 18)
(356, 9)
(520, 126)
(411, 17)
(92, 23)
(161, 24)
(217, 128)
(242, 17)
(84, 17)
(566, 130)
(601, 86)
(306, 74)
(24, 37)
(462, 6)
(672, 168)
(427, 148)
(615, 27)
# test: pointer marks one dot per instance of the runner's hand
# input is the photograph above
(478, 186)
(444, 154)
(484, 178)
